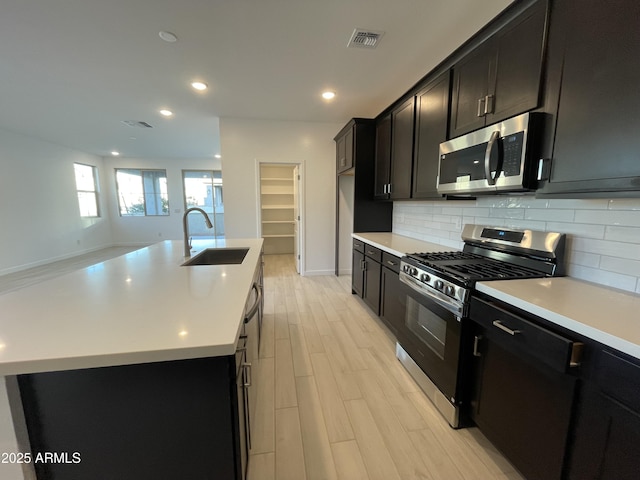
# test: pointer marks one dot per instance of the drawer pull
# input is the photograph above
(476, 341)
(498, 323)
(370, 252)
(391, 263)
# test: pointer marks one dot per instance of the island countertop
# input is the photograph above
(138, 308)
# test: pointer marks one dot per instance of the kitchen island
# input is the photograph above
(131, 368)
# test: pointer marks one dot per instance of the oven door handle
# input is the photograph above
(435, 296)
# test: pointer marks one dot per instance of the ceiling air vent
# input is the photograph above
(363, 38)
(136, 124)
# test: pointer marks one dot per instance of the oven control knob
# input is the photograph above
(439, 285)
(425, 278)
(450, 290)
(414, 272)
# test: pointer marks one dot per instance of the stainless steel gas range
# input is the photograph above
(437, 302)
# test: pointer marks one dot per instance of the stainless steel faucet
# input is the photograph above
(185, 228)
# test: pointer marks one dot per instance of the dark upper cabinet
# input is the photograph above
(357, 137)
(432, 116)
(402, 122)
(501, 77)
(394, 152)
(344, 151)
(594, 48)
(383, 158)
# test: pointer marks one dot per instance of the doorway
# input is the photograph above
(279, 213)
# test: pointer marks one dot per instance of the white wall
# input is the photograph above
(152, 229)
(245, 142)
(603, 235)
(39, 215)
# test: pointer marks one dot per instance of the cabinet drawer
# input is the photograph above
(391, 261)
(619, 379)
(358, 245)
(522, 337)
(373, 253)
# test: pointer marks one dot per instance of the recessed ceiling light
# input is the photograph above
(168, 36)
(217, 155)
(166, 113)
(115, 153)
(328, 95)
(199, 85)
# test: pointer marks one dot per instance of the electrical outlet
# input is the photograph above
(458, 222)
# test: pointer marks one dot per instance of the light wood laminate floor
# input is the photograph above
(334, 403)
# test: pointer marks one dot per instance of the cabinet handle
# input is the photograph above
(389, 188)
(343, 161)
(370, 252)
(498, 323)
(481, 107)
(391, 263)
(364, 265)
(247, 368)
(476, 341)
(384, 188)
(488, 104)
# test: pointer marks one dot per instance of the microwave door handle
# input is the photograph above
(491, 180)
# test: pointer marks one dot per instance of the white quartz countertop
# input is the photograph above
(609, 316)
(398, 245)
(138, 308)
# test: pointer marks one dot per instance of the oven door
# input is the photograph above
(432, 338)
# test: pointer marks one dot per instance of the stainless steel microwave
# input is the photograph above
(500, 158)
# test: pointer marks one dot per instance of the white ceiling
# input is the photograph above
(72, 70)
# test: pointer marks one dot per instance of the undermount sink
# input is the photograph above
(218, 256)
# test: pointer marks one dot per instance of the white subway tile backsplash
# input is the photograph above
(624, 204)
(603, 234)
(623, 234)
(554, 215)
(620, 265)
(592, 204)
(609, 217)
(507, 213)
(610, 279)
(605, 247)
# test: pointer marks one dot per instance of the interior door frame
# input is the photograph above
(301, 204)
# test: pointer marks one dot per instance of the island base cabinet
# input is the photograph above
(167, 420)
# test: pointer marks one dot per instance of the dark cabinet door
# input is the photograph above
(470, 85)
(516, 65)
(524, 409)
(344, 151)
(393, 301)
(597, 46)
(402, 122)
(371, 292)
(501, 77)
(383, 158)
(357, 273)
(432, 116)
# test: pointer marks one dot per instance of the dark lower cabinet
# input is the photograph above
(607, 433)
(177, 419)
(393, 299)
(357, 271)
(521, 403)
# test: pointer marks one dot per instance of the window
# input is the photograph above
(203, 189)
(142, 192)
(87, 187)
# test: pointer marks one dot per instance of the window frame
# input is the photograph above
(95, 192)
(144, 192)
